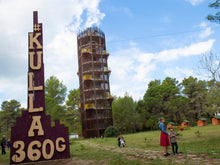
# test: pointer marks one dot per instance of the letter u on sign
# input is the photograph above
(39, 57)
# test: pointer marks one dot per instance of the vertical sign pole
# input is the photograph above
(33, 138)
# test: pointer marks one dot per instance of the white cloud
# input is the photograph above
(193, 49)
(145, 66)
(206, 33)
(203, 24)
(133, 69)
(130, 71)
(178, 73)
(195, 2)
(13, 88)
(61, 21)
(93, 15)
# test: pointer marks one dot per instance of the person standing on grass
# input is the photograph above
(121, 141)
(164, 140)
(173, 141)
(3, 144)
(8, 144)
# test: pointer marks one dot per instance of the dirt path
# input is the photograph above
(146, 156)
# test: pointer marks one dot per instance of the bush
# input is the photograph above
(111, 132)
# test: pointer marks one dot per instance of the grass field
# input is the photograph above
(200, 145)
(207, 142)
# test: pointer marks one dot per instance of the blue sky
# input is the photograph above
(146, 39)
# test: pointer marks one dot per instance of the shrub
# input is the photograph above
(111, 132)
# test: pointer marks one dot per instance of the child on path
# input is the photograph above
(173, 141)
(164, 140)
(121, 141)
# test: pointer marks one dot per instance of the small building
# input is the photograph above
(185, 123)
(216, 120)
(201, 122)
(73, 136)
(170, 124)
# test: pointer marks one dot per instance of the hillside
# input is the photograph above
(199, 145)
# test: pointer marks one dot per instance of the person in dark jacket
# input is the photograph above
(119, 143)
(3, 144)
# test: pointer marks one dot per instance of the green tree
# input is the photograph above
(55, 93)
(177, 108)
(154, 83)
(149, 123)
(170, 81)
(212, 98)
(56, 112)
(216, 17)
(153, 100)
(196, 91)
(10, 111)
(164, 99)
(156, 97)
(142, 113)
(55, 89)
(111, 132)
(73, 99)
(73, 117)
(124, 112)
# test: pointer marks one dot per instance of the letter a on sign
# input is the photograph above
(36, 125)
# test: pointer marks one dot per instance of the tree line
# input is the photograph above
(189, 99)
(176, 101)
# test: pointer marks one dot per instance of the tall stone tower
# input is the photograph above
(95, 97)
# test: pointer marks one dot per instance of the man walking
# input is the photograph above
(3, 143)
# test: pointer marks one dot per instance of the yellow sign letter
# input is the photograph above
(36, 125)
(39, 56)
(31, 87)
(31, 104)
(33, 39)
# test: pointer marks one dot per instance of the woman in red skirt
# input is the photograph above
(164, 140)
